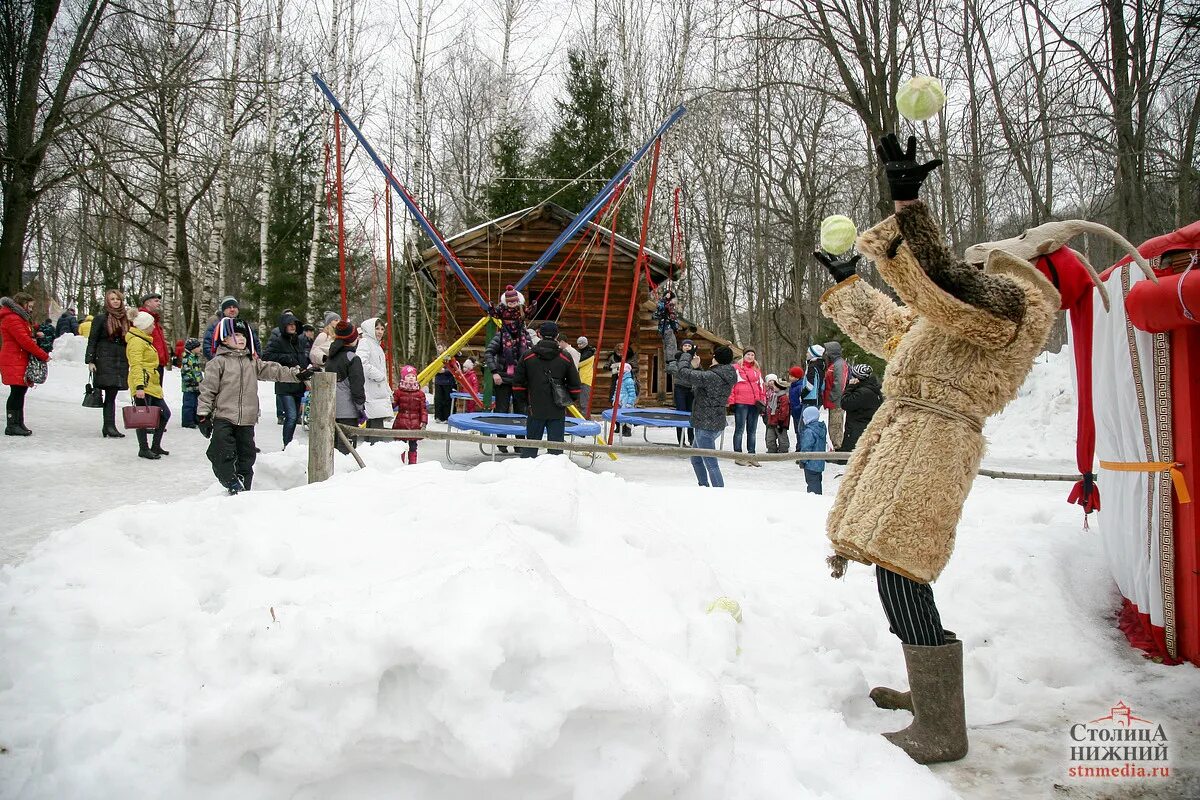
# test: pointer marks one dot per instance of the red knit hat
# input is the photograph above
(511, 295)
(345, 331)
(796, 372)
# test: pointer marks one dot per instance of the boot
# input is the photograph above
(21, 424)
(939, 729)
(246, 480)
(144, 450)
(896, 700)
(412, 457)
(109, 431)
(235, 486)
(156, 447)
(14, 426)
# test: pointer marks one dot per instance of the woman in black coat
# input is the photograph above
(860, 401)
(105, 356)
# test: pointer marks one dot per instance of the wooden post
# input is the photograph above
(321, 407)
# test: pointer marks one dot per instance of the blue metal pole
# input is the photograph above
(409, 202)
(597, 202)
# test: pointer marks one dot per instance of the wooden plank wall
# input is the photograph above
(495, 264)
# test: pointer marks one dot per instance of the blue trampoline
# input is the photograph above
(465, 397)
(494, 424)
(647, 418)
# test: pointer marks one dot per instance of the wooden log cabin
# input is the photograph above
(569, 290)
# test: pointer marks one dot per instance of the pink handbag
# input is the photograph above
(140, 417)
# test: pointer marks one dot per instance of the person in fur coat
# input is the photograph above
(958, 350)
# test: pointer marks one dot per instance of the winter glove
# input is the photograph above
(362, 417)
(904, 174)
(205, 426)
(840, 268)
(304, 374)
(761, 407)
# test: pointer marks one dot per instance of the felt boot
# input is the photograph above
(939, 729)
(896, 700)
(13, 426)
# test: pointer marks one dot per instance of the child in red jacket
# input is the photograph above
(412, 409)
(777, 415)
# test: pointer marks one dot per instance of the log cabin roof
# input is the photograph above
(660, 265)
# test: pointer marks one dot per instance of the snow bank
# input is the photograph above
(1040, 422)
(422, 633)
(69, 349)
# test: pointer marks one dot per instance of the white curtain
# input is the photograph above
(1129, 533)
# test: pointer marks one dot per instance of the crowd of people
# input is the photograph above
(535, 372)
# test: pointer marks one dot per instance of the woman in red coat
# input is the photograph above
(16, 346)
(412, 409)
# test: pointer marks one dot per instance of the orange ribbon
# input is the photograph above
(1181, 489)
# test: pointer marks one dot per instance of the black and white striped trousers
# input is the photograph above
(911, 611)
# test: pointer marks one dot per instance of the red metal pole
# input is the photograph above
(612, 241)
(387, 238)
(636, 279)
(341, 218)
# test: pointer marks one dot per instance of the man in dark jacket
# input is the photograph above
(285, 347)
(343, 361)
(710, 396)
(860, 401)
(545, 377)
(67, 323)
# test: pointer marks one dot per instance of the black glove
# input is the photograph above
(304, 374)
(904, 174)
(205, 426)
(839, 268)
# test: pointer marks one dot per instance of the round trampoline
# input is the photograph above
(456, 397)
(651, 417)
(495, 424)
(647, 418)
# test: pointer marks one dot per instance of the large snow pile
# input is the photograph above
(425, 633)
(530, 629)
(69, 349)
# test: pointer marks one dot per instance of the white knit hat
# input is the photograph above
(144, 322)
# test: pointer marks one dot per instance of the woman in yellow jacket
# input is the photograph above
(144, 383)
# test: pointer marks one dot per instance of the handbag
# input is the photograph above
(35, 371)
(562, 398)
(140, 417)
(92, 397)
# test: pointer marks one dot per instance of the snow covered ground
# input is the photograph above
(527, 629)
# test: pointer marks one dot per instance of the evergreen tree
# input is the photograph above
(508, 161)
(589, 130)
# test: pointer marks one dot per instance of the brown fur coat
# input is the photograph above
(952, 363)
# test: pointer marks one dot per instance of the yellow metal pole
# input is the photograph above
(599, 437)
(427, 374)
